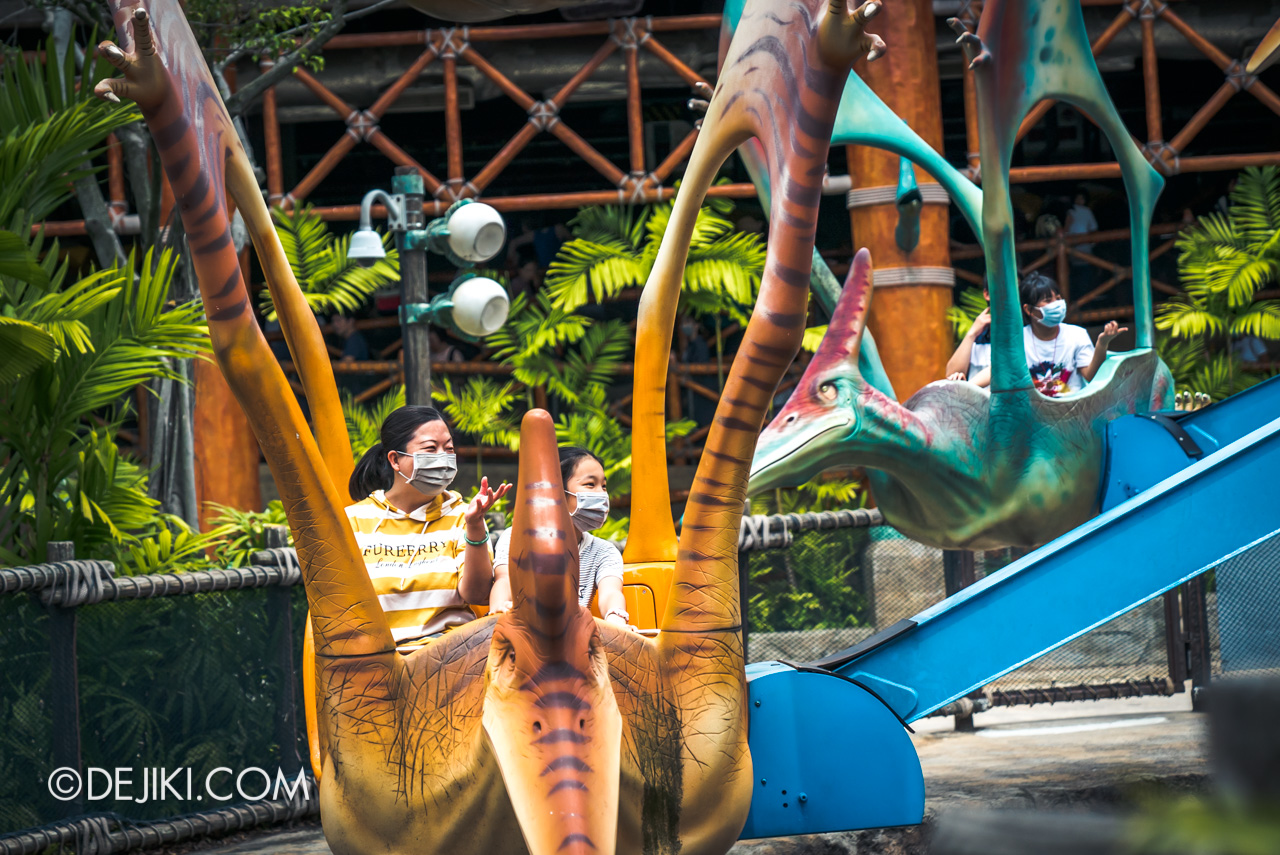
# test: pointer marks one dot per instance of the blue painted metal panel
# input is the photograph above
(1141, 453)
(1191, 521)
(827, 756)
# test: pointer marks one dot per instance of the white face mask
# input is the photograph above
(1053, 313)
(432, 472)
(591, 512)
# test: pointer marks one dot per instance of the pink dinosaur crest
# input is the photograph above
(844, 335)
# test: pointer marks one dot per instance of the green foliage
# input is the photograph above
(364, 422)
(255, 28)
(329, 280)
(169, 682)
(962, 315)
(243, 533)
(51, 126)
(1223, 263)
(63, 478)
(1206, 826)
(482, 407)
(615, 247)
(814, 584)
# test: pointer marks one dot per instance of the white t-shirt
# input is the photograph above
(597, 559)
(980, 353)
(1055, 365)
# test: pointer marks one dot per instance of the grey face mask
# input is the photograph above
(591, 511)
(432, 472)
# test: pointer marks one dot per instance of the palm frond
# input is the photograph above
(25, 347)
(1186, 319)
(364, 422)
(604, 267)
(962, 315)
(1255, 203)
(329, 280)
(611, 224)
(1261, 320)
(813, 337)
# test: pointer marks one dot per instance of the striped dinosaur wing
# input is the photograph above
(182, 58)
(166, 75)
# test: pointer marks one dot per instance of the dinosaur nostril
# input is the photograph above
(582, 724)
(537, 727)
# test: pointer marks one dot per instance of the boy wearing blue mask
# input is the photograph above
(1060, 356)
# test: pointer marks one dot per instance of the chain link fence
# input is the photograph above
(198, 671)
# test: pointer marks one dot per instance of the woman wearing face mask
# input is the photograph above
(1060, 356)
(599, 562)
(426, 549)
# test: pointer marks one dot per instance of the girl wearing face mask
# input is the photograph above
(599, 562)
(425, 548)
(1060, 356)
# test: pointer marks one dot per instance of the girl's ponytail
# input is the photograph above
(373, 472)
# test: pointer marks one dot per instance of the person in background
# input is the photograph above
(527, 279)
(973, 355)
(599, 562)
(1060, 356)
(1223, 205)
(441, 350)
(1081, 221)
(354, 347)
(424, 547)
(697, 352)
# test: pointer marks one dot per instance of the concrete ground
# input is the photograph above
(1084, 755)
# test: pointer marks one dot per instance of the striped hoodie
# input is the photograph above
(415, 561)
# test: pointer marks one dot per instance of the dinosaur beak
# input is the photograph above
(791, 450)
(549, 711)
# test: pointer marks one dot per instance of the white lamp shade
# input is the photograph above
(366, 246)
(480, 306)
(476, 232)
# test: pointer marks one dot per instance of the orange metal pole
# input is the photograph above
(1151, 82)
(512, 91)
(673, 62)
(678, 156)
(386, 99)
(587, 152)
(562, 97)
(332, 157)
(342, 108)
(503, 158)
(635, 119)
(271, 135)
(1202, 117)
(452, 117)
(400, 157)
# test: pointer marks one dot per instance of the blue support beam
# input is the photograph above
(1190, 522)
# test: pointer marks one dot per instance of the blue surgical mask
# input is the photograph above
(1053, 313)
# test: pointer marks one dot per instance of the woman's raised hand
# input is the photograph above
(485, 499)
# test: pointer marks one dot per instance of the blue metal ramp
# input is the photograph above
(1183, 493)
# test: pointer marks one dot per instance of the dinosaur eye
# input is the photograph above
(827, 391)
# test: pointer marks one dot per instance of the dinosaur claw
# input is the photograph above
(957, 26)
(875, 54)
(703, 89)
(142, 32)
(870, 10)
(698, 105)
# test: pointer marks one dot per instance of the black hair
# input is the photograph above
(1035, 287)
(374, 472)
(570, 457)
